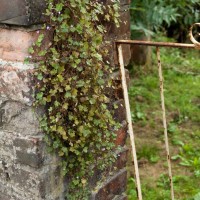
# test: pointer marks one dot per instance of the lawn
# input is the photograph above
(181, 70)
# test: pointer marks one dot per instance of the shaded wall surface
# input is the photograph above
(27, 171)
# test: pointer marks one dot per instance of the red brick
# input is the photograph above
(114, 186)
(14, 43)
(121, 136)
(122, 158)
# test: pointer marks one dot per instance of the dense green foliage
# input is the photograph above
(72, 82)
(181, 82)
(189, 13)
(149, 16)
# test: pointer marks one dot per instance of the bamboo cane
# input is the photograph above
(128, 115)
(165, 121)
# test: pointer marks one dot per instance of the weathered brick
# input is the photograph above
(33, 160)
(120, 112)
(122, 32)
(120, 163)
(122, 158)
(6, 146)
(12, 49)
(116, 76)
(10, 110)
(121, 135)
(121, 197)
(22, 12)
(24, 179)
(124, 27)
(5, 197)
(33, 184)
(4, 175)
(26, 123)
(53, 184)
(125, 2)
(29, 151)
(139, 53)
(116, 185)
(15, 84)
(112, 56)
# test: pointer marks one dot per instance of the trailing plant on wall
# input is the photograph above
(72, 82)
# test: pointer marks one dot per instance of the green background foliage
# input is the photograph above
(175, 17)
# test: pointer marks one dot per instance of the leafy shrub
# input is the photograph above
(176, 17)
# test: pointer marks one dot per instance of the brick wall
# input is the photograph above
(27, 171)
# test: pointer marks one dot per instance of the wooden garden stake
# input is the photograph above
(165, 121)
(128, 115)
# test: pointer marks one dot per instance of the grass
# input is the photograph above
(181, 70)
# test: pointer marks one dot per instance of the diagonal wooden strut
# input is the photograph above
(165, 121)
(130, 127)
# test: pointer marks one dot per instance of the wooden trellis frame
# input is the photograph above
(195, 45)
